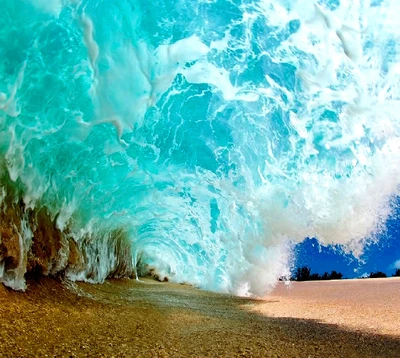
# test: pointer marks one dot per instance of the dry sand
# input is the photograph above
(369, 305)
(349, 318)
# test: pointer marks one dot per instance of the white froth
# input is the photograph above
(52, 7)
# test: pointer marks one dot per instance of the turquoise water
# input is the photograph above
(216, 133)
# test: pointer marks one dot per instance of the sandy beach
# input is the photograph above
(126, 318)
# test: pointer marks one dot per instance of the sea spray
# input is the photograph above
(210, 133)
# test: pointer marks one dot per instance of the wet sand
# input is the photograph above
(348, 318)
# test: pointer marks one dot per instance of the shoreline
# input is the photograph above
(126, 318)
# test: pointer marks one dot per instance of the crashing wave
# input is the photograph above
(193, 139)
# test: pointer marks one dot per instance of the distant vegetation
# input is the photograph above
(303, 273)
(377, 274)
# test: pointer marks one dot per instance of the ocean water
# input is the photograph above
(214, 133)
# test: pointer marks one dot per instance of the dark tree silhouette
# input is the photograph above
(377, 274)
(336, 275)
(326, 276)
(314, 277)
(302, 273)
(397, 273)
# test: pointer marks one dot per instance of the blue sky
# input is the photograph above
(382, 256)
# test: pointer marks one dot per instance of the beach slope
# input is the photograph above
(126, 318)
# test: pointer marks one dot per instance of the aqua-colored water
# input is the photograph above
(215, 132)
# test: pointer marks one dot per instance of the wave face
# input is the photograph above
(213, 133)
